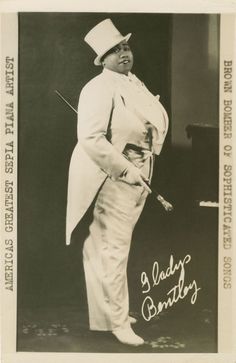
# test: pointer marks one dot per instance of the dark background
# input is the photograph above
(53, 55)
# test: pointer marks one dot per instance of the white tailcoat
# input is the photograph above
(111, 108)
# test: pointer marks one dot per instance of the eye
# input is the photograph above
(116, 49)
(126, 47)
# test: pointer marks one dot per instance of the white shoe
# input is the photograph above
(128, 336)
(132, 320)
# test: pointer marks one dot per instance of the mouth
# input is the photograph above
(126, 61)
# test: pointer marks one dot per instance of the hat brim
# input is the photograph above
(97, 60)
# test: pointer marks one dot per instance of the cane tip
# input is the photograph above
(169, 207)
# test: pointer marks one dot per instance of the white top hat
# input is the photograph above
(103, 37)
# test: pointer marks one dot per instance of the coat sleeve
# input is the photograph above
(94, 117)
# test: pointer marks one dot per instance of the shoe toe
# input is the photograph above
(127, 336)
(132, 320)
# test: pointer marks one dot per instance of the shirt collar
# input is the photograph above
(116, 75)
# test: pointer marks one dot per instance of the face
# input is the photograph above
(119, 59)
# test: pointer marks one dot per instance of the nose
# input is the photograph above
(123, 53)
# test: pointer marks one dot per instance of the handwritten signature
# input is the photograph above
(176, 293)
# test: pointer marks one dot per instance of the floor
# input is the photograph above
(65, 330)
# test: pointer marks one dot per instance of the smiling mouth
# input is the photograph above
(126, 61)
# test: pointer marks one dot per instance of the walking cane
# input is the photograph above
(166, 205)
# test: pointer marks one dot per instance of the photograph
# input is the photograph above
(111, 106)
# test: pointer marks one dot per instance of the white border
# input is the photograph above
(225, 294)
(9, 316)
(9, 38)
(159, 6)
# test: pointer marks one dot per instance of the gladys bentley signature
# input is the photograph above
(176, 293)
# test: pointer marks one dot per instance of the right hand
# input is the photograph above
(134, 176)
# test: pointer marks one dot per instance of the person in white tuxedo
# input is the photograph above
(121, 127)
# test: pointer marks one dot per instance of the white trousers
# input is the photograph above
(105, 253)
